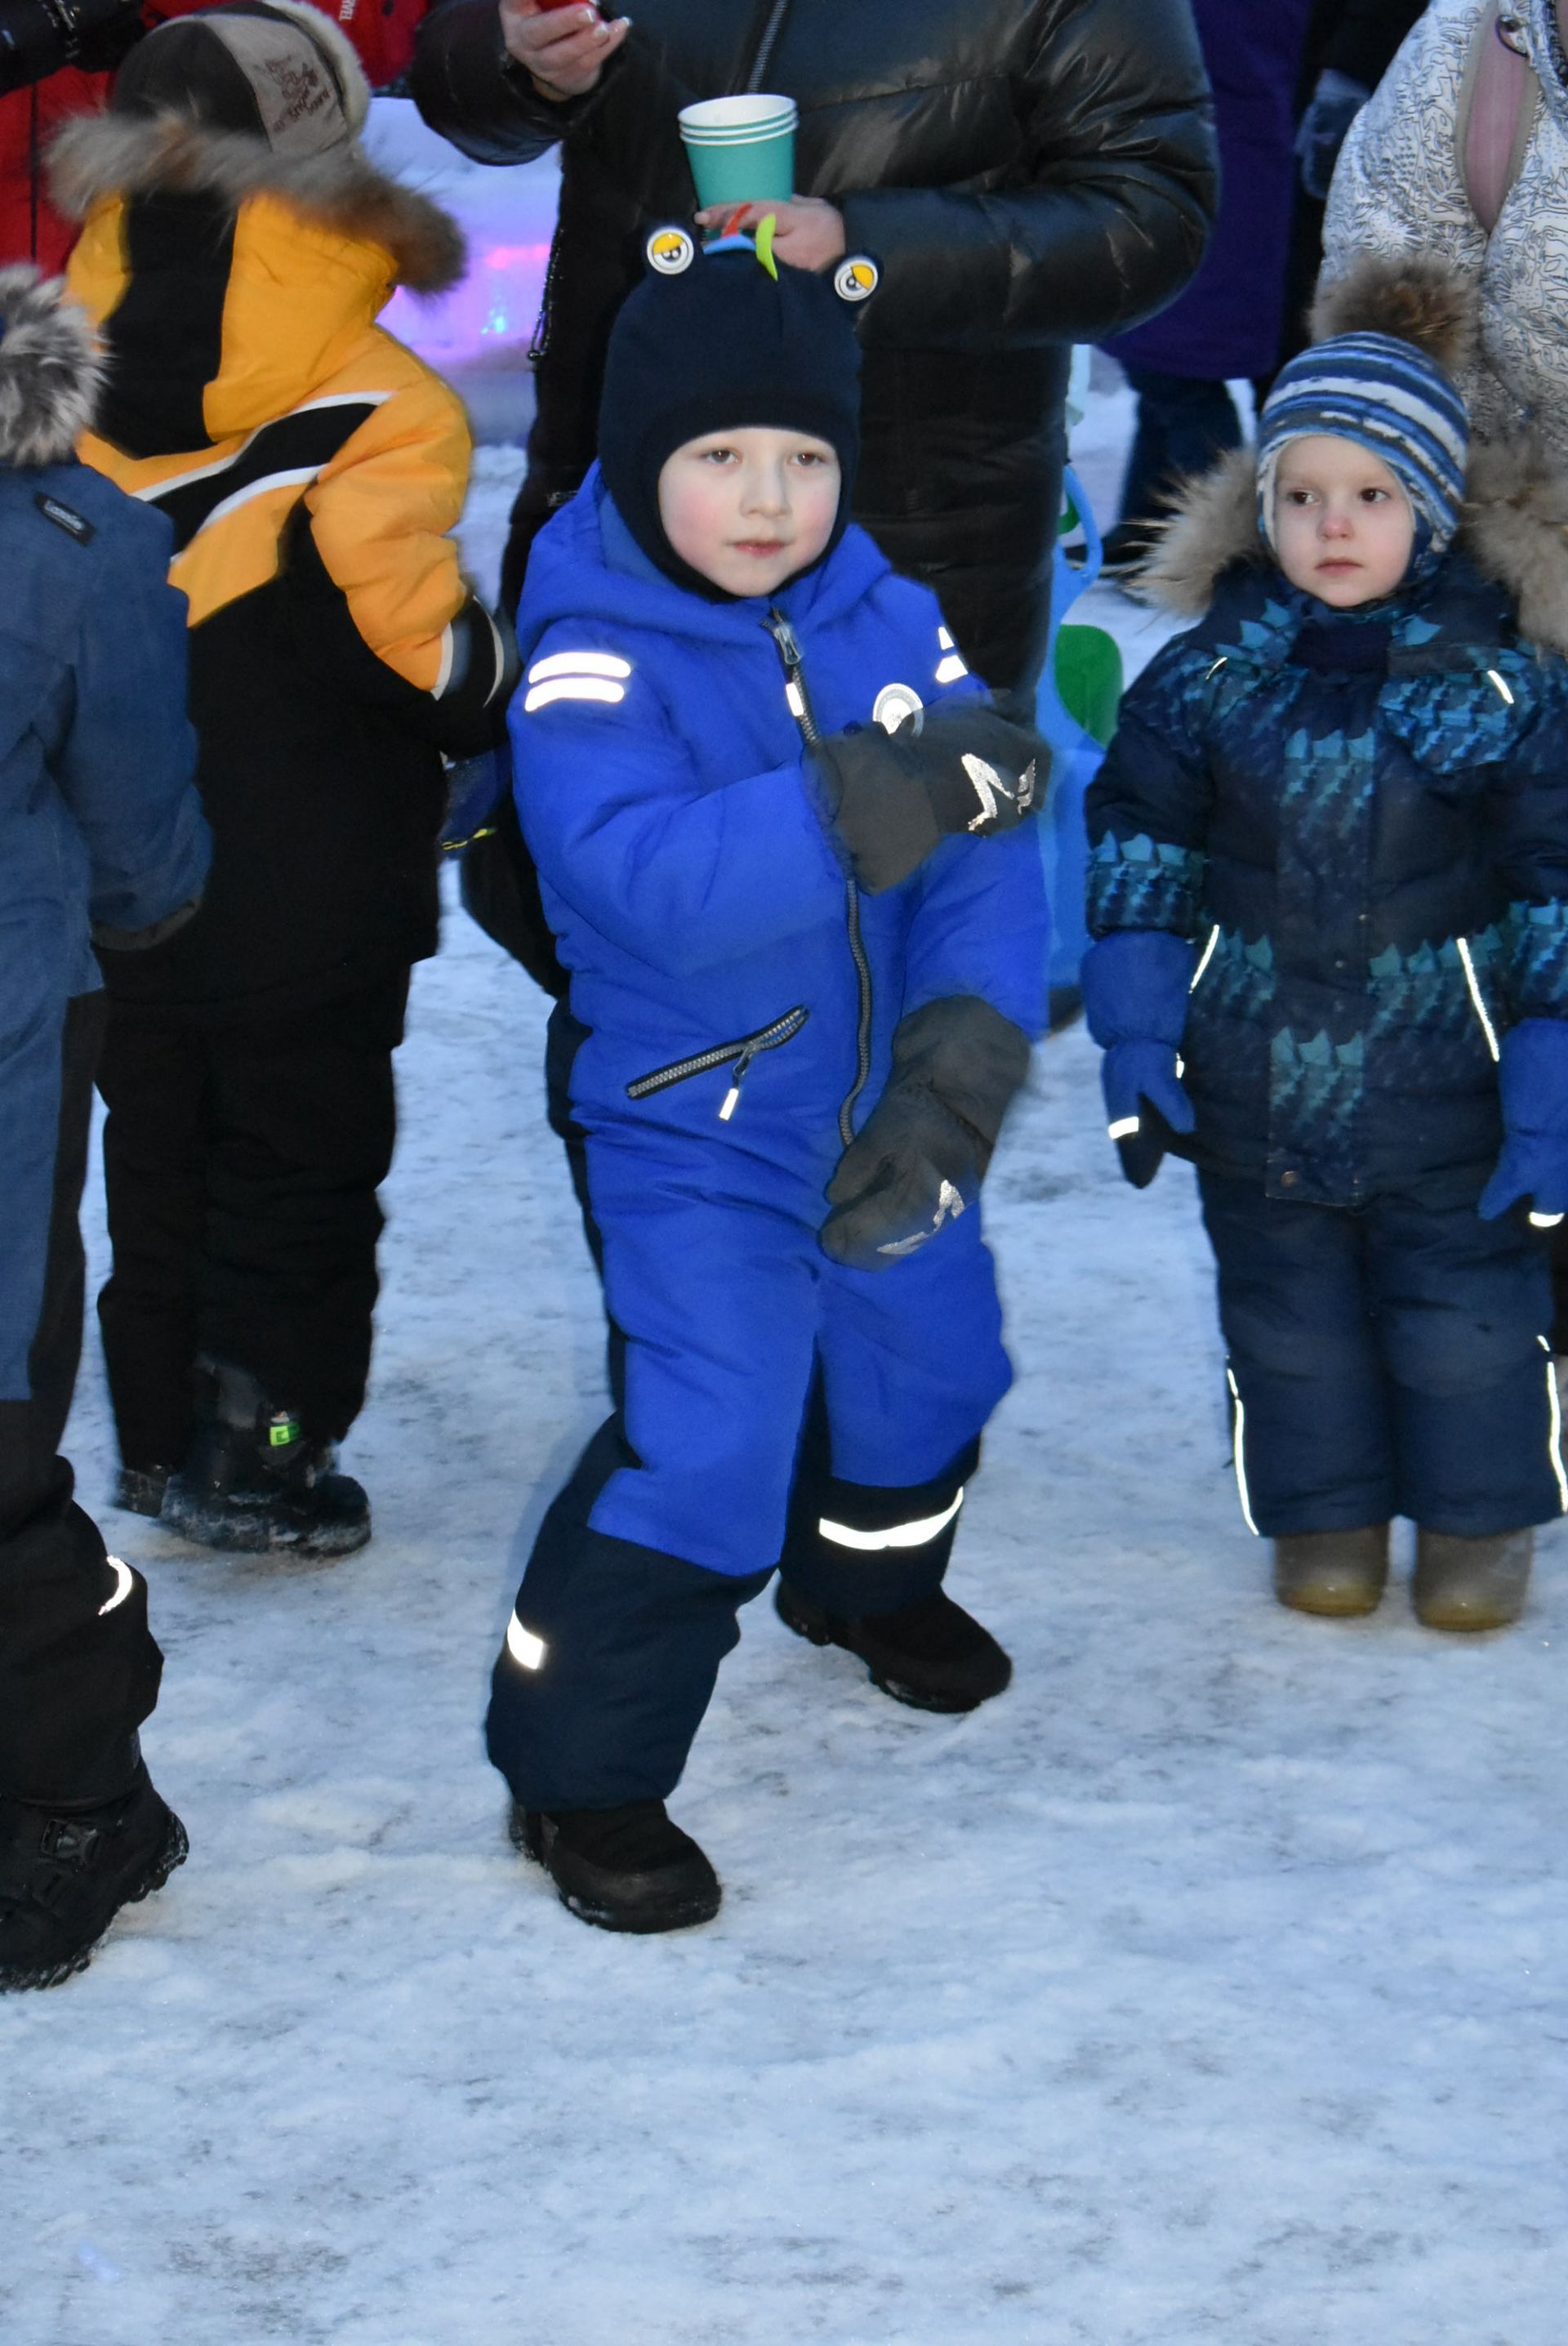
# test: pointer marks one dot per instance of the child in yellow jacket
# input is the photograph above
(238, 247)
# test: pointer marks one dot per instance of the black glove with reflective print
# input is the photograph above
(920, 1160)
(894, 797)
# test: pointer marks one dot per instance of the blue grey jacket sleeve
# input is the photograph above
(125, 762)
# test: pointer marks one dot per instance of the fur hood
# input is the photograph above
(1514, 524)
(49, 370)
(110, 155)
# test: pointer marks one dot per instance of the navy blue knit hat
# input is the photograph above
(1388, 398)
(723, 344)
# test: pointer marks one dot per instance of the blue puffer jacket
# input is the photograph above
(711, 935)
(1362, 821)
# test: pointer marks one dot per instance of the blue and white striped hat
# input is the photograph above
(1388, 398)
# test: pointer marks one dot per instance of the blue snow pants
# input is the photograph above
(1387, 1360)
(779, 1412)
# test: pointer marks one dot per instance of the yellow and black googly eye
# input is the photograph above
(670, 251)
(857, 279)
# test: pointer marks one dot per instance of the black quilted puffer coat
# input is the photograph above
(1027, 173)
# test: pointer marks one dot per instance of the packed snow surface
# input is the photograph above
(1209, 1986)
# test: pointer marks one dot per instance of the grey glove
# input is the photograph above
(921, 1158)
(894, 797)
(1336, 102)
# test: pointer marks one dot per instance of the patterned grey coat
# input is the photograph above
(1400, 190)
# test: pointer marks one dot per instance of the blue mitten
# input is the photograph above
(1533, 1081)
(1136, 986)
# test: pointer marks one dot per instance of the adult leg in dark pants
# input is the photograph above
(1182, 425)
(79, 1667)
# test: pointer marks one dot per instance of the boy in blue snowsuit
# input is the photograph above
(781, 838)
(102, 844)
(1329, 869)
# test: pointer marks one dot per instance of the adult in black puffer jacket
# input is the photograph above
(1027, 174)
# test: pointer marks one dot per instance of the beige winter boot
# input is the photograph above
(1335, 1572)
(1472, 1584)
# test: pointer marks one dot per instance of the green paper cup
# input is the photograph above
(741, 149)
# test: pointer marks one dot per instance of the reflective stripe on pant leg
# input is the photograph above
(861, 1548)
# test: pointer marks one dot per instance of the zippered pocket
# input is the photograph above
(741, 1052)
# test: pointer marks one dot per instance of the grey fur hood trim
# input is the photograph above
(123, 155)
(1514, 529)
(49, 370)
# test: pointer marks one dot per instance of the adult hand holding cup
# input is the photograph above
(808, 233)
(562, 44)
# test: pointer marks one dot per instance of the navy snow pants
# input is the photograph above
(79, 1667)
(778, 1411)
(1387, 1360)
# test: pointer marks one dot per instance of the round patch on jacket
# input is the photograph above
(893, 704)
(670, 251)
(857, 279)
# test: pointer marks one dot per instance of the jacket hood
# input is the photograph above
(107, 156)
(50, 373)
(1513, 529)
(584, 565)
(1539, 22)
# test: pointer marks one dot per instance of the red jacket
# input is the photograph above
(383, 31)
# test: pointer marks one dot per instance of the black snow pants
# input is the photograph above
(79, 1667)
(242, 1160)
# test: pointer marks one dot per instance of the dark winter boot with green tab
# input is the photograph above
(252, 1483)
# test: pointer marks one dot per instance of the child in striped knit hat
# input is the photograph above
(1330, 889)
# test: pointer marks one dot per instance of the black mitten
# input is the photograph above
(924, 1152)
(892, 797)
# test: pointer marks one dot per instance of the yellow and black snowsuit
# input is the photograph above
(312, 468)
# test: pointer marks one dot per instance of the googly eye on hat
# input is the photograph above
(670, 251)
(856, 278)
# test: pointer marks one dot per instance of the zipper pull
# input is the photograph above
(732, 1097)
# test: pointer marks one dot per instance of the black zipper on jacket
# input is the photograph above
(770, 20)
(799, 702)
(742, 1050)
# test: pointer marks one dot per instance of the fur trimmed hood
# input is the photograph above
(1514, 529)
(110, 155)
(49, 370)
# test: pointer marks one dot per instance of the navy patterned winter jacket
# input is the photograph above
(1361, 821)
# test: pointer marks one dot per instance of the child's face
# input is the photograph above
(1343, 526)
(749, 508)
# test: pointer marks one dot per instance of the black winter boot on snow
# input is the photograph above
(252, 1484)
(627, 1869)
(931, 1654)
(1472, 1584)
(139, 1490)
(65, 1873)
(1336, 1574)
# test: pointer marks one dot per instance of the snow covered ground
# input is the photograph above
(1209, 1986)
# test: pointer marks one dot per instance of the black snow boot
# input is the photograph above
(1472, 1584)
(627, 1869)
(250, 1482)
(139, 1490)
(931, 1654)
(65, 1873)
(1337, 1573)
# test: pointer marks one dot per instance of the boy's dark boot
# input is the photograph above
(65, 1873)
(1339, 1574)
(252, 1483)
(931, 1654)
(1472, 1584)
(624, 1868)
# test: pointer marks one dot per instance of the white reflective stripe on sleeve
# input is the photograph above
(1545, 1222)
(1470, 979)
(523, 1646)
(1124, 1127)
(1501, 687)
(913, 1534)
(578, 664)
(573, 688)
(444, 673)
(1554, 1437)
(1237, 1447)
(950, 670)
(945, 640)
(124, 1583)
(1207, 957)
